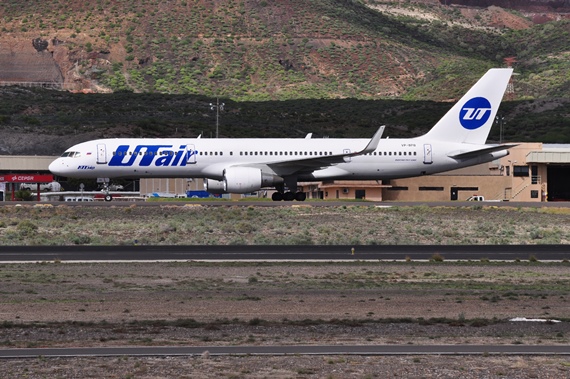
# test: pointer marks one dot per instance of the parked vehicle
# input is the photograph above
(478, 198)
(53, 186)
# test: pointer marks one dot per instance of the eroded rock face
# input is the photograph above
(525, 5)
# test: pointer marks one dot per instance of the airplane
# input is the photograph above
(245, 165)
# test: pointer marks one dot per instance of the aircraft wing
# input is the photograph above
(474, 153)
(310, 164)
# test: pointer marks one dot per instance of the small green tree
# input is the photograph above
(24, 195)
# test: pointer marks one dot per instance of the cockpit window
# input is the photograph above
(71, 154)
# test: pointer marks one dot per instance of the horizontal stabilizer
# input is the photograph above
(475, 153)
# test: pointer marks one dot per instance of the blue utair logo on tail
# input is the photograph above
(475, 113)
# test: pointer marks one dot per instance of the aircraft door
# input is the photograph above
(190, 154)
(427, 154)
(101, 153)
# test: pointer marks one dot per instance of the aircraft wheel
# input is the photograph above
(288, 196)
(300, 196)
(108, 197)
(277, 196)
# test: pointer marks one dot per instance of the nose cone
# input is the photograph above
(58, 167)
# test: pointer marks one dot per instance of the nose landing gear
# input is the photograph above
(108, 196)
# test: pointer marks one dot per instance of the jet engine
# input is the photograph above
(215, 187)
(248, 179)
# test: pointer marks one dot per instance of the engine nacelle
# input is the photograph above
(215, 187)
(248, 179)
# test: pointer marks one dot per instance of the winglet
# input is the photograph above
(373, 144)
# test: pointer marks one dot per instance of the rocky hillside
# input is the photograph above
(261, 50)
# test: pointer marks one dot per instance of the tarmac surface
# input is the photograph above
(283, 253)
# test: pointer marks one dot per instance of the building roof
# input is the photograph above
(9, 163)
(552, 156)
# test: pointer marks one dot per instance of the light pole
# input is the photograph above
(500, 119)
(218, 107)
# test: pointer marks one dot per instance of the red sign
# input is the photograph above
(26, 178)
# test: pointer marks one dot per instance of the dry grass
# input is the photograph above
(211, 225)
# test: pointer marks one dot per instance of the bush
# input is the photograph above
(436, 257)
(27, 228)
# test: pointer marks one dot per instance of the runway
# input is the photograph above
(288, 350)
(556, 253)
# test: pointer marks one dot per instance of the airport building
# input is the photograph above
(531, 172)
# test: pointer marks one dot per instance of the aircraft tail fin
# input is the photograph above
(471, 118)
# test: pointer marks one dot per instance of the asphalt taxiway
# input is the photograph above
(557, 253)
(289, 350)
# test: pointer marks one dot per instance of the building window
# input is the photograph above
(431, 188)
(397, 188)
(534, 194)
(520, 170)
(474, 189)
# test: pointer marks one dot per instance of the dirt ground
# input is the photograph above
(203, 304)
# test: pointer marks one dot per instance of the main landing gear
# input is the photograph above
(289, 196)
(292, 194)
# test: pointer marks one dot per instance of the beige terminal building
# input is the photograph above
(531, 172)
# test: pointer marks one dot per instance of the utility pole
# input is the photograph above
(500, 120)
(218, 107)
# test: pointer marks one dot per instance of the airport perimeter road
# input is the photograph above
(288, 350)
(282, 253)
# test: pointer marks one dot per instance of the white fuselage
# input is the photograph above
(208, 158)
